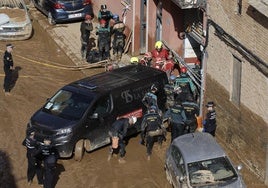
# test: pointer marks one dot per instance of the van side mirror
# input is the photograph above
(94, 116)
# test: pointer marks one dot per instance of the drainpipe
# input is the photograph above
(147, 24)
(133, 25)
(266, 171)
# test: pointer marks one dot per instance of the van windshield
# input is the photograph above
(68, 105)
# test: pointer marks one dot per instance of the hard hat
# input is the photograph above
(103, 7)
(183, 69)
(134, 60)
(115, 16)
(88, 17)
(158, 45)
(102, 21)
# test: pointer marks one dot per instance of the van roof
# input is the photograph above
(118, 77)
(198, 147)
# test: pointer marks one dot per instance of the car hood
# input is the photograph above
(4, 19)
(49, 121)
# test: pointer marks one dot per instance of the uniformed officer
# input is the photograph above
(118, 37)
(117, 133)
(189, 90)
(104, 40)
(191, 111)
(210, 124)
(34, 165)
(150, 98)
(49, 156)
(177, 118)
(105, 15)
(8, 67)
(152, 130)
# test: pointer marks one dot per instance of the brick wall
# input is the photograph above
(250, 29)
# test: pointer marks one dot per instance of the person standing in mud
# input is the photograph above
(117, 133)
(118, 37)
(104, 40)
(49, 155)
(34, 165)
(210, 121)
(152, 130)
(8, 68)
(85, 28)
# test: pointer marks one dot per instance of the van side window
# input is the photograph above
(103, 106)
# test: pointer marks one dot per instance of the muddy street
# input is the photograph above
(40, 71)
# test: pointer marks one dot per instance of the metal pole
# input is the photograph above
(266, 170)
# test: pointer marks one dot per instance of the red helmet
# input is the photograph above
(183, 69)
(102, 21)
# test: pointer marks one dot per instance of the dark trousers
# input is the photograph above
(49, 177)
(150, 140)
(177, 129)
(7, 80)
(34, 167)
(104, 49)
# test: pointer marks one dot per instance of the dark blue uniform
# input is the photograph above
(8, 65)
(177, 117)
(152, 130)
(210, 122)
(104, 40)
(49, 156)
(34, 164)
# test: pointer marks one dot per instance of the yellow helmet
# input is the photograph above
(158, 45)
(134, 60)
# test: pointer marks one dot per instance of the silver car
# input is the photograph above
(15, 23)
(197, 160)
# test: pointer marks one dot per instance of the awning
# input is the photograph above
(260, 5)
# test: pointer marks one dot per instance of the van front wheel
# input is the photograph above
(79, 150)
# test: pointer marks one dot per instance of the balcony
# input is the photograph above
(188, 4)
(196, 32)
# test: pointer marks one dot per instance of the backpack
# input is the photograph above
(93, 56)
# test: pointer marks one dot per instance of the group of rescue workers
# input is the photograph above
(109, 28)
(180, 117)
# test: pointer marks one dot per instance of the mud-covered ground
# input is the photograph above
(35, 79)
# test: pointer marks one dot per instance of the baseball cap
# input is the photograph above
(9, 46)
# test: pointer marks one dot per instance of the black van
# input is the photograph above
(78, 116)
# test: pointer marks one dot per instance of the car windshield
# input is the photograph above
(212, 171)
(68, 105)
